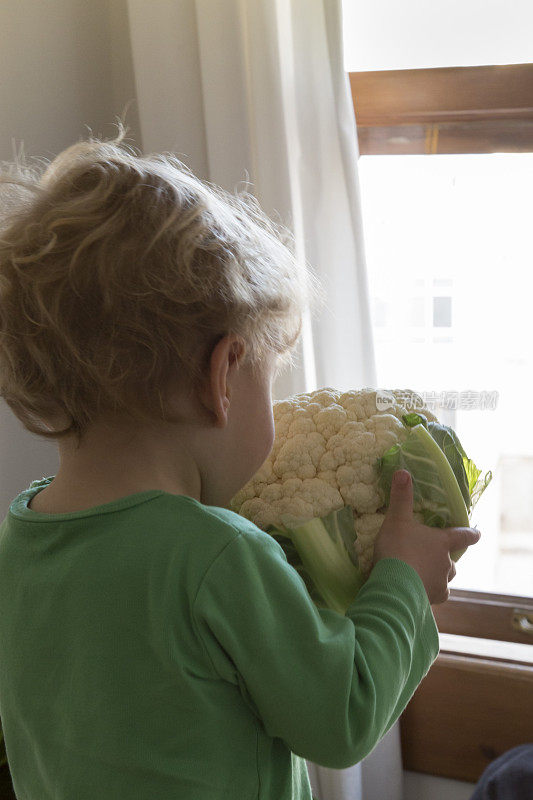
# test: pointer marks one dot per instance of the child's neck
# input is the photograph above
(59, 498)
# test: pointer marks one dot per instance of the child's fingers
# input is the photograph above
(461, 538)
(401, 495)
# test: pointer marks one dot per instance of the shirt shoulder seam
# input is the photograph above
(200, 584)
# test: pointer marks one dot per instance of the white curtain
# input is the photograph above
(277, 112)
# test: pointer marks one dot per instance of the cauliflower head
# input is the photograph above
(325, 453)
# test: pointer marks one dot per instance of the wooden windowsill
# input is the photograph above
(475, 703)
(486, 648)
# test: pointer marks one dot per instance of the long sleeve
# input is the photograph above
(330, 686)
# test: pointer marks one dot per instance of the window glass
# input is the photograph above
(442, 312)
(449, 252)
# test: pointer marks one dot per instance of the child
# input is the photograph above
(153, 644)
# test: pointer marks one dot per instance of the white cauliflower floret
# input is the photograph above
(299, 456)
(300, 500)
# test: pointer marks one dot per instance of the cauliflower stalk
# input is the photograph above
(323, 491)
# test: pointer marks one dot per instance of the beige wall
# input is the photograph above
(64, 64)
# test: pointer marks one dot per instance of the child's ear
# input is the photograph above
(226, 356)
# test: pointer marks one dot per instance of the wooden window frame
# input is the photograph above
(487, 615)
(475, 703)
(444, 110)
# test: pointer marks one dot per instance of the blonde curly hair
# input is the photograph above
(118, 275)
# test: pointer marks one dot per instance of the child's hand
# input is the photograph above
(425, 549)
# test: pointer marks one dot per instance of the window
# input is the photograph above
(448, 249)
(445, 133)
(442, 312)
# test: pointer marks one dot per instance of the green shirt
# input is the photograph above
(156, 647)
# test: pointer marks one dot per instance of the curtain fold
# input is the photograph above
(277, 114)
